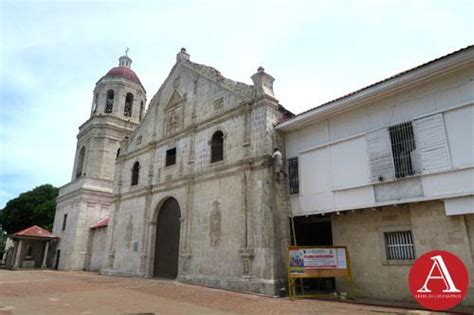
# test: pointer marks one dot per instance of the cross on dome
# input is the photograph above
(125, 60)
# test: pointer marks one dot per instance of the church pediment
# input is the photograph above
(174, 113)
(175, 100)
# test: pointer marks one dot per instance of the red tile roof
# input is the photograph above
(101, 223)
(123, 72)
(34, 231)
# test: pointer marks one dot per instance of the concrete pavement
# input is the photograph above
(56, 292)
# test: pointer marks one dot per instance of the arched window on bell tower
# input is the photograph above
(94, 104)
(109, 102)
(80, 162)
(141, 111)
(127, 111)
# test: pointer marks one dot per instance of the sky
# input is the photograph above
(53, 52)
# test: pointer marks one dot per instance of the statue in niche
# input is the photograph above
(246, 268)
(215, 224)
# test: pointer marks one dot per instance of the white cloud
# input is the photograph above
(53, 53)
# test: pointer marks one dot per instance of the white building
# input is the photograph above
(388, 171)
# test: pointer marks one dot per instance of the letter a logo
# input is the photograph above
(438, 280)
(441, 266)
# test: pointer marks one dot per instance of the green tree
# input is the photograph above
(34, 207)
(3, 240)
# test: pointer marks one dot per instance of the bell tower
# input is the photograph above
(119, 101)
(118, 106)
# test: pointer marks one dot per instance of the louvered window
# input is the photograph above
(431, 143)
(380, 155)
(399, 245)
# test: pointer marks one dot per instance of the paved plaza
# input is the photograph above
(55, 292)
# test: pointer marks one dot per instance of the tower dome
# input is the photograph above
(120, 93)
(123, 70)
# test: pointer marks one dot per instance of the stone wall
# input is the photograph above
(233, 220)
(362, 233)
(96, 249)
(83, 209)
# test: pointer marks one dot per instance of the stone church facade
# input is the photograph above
(186, 191)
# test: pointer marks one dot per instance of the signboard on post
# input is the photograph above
(317, 262)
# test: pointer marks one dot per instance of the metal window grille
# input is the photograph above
(293, 175)
(171, 157)
(135, 173)
(399, 245)
(402, 139)
(217, 147)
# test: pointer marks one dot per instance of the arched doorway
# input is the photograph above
(167, 240)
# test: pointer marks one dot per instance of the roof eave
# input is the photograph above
(34, 237)
(120, 77)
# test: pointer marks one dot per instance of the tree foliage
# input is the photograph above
(34, 207)
(3, 240)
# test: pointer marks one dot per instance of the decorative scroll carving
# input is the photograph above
(129, 232)
(246, 267)
(175, 99)
(174, 113)
(215, 224)
(219, 103)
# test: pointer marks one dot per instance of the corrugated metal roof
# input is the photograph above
(34, 231)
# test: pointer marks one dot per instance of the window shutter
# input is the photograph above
(431, 143)
(379, 150)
